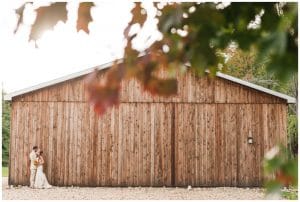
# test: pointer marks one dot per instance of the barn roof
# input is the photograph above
(9, 96)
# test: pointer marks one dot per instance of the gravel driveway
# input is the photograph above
(128, 193)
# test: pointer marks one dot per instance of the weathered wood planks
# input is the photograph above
(211, 142)
(124, 140)
(191, 89)
(198, 137)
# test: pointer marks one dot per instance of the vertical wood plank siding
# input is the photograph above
(204, 129)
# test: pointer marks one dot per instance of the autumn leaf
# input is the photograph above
(20, 12)
(84, 16)
(139, 16)
(192, 34)
(104, 93)
(284, 178)
(47, 17)
(99, 95)
(161, 87)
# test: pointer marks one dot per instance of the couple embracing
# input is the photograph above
(37, 176)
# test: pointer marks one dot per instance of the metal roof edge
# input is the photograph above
(256, 87)
(9, 96)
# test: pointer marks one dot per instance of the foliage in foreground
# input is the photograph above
(282, 171)
(5, 130)
(192, 34)
(293, 133)
(241, 64)
(4, 171)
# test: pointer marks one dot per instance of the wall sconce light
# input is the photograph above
(250, 140)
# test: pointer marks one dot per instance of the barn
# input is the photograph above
(215, 132)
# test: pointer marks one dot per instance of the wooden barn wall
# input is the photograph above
(198, 137)
(128, 146)
(211, 142)
(191, 89)
(131, 145)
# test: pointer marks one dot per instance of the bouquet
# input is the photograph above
(36, 162)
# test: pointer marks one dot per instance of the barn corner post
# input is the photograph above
(10, 182)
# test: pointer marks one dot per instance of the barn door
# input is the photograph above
(250, 155)
(226, 142)
(195, 135)
(206, 145)
(211, 144)
(133, 146)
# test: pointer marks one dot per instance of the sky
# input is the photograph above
(63, 50)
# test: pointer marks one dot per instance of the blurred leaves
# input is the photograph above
(84, 16)
(278, 162)
(194, 34)
(146, 68)
(171, 18)
(293, 133)
(138, 14)
(6, 110)
(212, 29)
(104, 94)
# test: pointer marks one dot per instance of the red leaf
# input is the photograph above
(103, 94)
(283, 178)
(161, 87)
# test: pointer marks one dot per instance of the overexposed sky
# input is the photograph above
(64, 50)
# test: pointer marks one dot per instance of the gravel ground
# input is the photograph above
(128, 193)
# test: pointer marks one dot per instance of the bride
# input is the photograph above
(40, 178)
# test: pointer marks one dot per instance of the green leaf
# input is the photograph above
(172, 18)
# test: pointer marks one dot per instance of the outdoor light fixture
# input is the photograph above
(250, 140)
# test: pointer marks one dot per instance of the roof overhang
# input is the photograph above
(9, 96)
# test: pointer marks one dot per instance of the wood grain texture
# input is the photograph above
(191, 89)
(198, 137)
(123, 144)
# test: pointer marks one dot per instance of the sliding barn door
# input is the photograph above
(211, 145)
(133, 146)
(195, 145)
(266, 124)
(250, 156)
(211, 140)
(206, 145)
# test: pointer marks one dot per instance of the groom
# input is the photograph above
(33, 158)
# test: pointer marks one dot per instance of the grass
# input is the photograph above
(290, 195)
(4, 171)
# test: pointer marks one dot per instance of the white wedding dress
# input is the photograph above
(41, 181)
